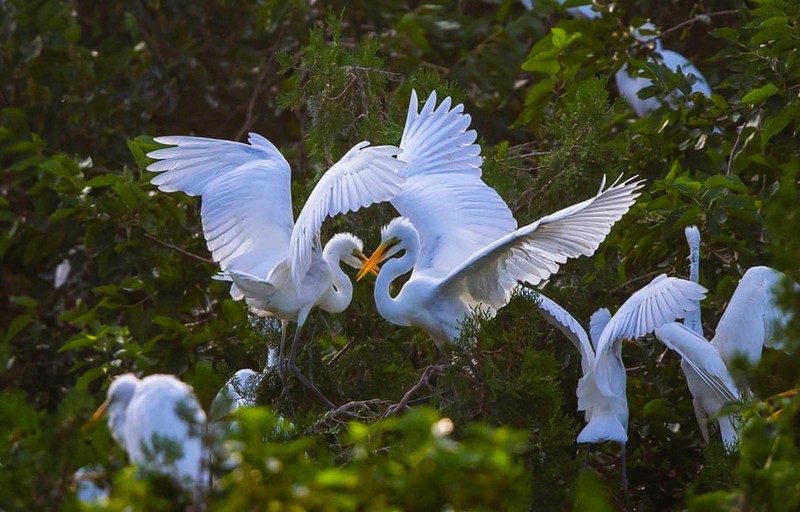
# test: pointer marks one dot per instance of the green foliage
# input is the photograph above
(87, 85)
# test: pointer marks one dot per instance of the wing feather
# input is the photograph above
(702, 357)
(454, 211)
(663, 300)
(246, 196)
(534, 252)
(559, 318)
(750, 319)
(365, 175)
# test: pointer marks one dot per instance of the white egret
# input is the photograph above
(629, 86)
(578, 11)
(747, 325)
(278, 266)
(455, 275)
(158, 421)
(663, 300)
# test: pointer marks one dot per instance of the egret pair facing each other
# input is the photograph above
(461, 235)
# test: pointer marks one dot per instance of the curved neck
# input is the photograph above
(341, 291)
(693, 319)
(391, 308)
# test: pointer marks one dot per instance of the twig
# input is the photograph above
(431, 371)
(176, 248)
(251, 117)
(732, 156)
(634, 280)
(703, 17)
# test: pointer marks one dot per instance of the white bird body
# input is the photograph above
(325, 285)
(158, 421)
(746, 326)
(278, 266)
(438, 302)
(663, 300)
(629, 86)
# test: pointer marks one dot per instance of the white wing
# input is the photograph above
(364, 175)
(535, 251)
(559, 318)
(662, 301)
(703, 358)
(246, 196)
(750, 319)
(454, 211)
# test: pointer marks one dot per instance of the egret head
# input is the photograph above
(349, 249)
(118, 397)
(393, 238)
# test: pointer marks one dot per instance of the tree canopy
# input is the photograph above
(102, 274)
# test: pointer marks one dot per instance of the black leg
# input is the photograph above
(282, 370)
(586, 459)
(307, 383)
(624, 471)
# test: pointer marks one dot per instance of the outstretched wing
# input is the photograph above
(533, 252)
(702, 357)
(364, 175)
(662, 301)
(454, 211)
(246, 196)
(559, 318)
(750, 319)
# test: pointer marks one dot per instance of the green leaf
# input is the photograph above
(550, 66)
(18, 324)
(760, 94)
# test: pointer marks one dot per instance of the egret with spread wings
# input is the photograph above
(278, 266)
(747, 325)
(663, 300)
(460, 239)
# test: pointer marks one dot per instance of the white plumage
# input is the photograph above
(278, 266)
(159, 422)
(579, 11)
(747, 325)
(629, 86)
(460, 237)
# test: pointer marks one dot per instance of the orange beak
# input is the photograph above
(371, 264)
(373, 270)
(99, 413)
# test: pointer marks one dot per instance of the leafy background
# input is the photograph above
(85, 85)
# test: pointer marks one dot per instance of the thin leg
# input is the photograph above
(586, 460)
(624, 471)
(307, 383)
(282, 370)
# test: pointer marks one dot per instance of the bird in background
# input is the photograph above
(578, 11)
(663, 300)
(276, 264)
(158, 421)
(629, 86)
(747, 325)
(461, 242)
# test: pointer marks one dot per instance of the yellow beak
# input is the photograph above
(99, 413)
(371, 264)
(374, 270)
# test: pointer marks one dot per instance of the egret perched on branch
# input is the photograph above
(747, 325)
(663, 300)
(459, 237)
(277, 265)
(629, 86)
(159, 422)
